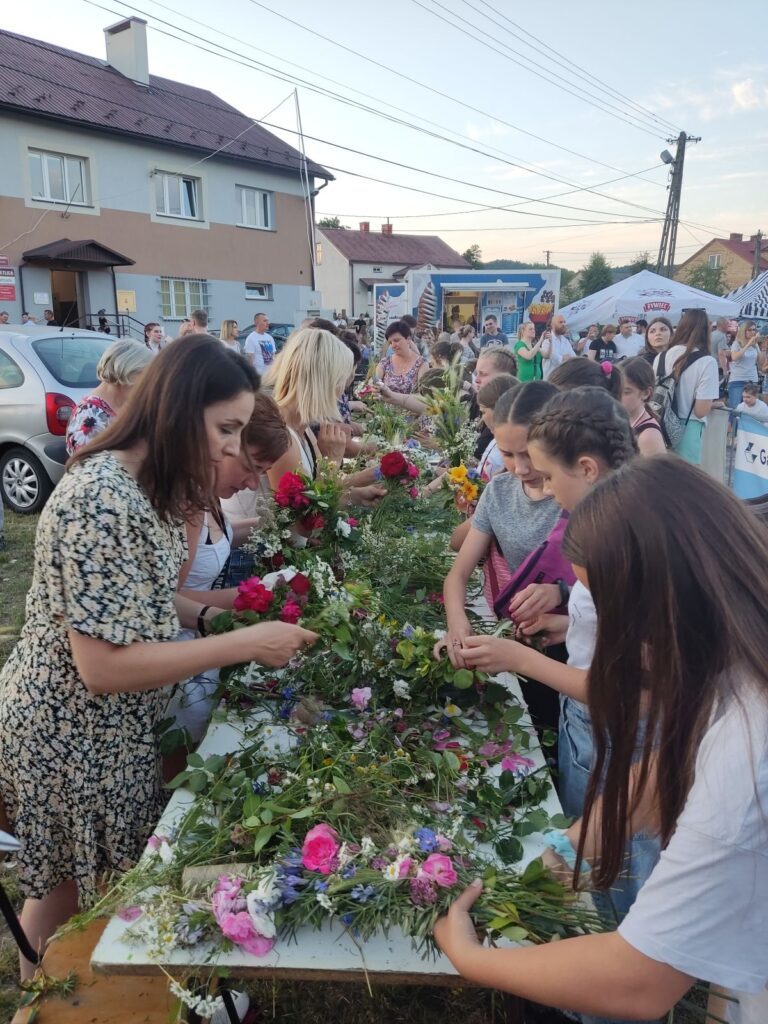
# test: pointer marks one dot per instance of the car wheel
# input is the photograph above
(24, 484)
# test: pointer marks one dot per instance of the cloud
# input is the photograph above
(747, 96)
(488, 130)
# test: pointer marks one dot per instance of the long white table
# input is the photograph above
(327, 954)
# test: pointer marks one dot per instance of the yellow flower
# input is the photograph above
(469, 491)
(327, 761)
(458, 474)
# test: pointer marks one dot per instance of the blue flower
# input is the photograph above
(320, 886)
(362, 893)
(293, 858)
(426, 839)
(412, 443)
(347, 918)
(285, 709)
(473, 474)
(289, 693)
(349, 871)
(259, 788)
(408, 631)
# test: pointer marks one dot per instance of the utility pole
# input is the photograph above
(758, 254)
(547, 253)
(666, 261)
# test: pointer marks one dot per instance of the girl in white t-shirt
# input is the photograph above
(697, 379)
(491, 462)
(686, 655)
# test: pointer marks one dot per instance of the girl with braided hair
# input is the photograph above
(577, 439)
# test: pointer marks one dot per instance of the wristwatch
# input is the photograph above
(565, 591)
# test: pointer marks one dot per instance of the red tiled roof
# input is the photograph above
(376, 247)
(744, 249)
(47, 81)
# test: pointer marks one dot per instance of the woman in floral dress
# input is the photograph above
(402, 371)
(80, 694)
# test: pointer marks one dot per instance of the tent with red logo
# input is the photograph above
(645, 295)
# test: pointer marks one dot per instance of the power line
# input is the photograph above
(573, 66)
(429, 88)
(551, 78)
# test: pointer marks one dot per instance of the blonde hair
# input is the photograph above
(123, 362)
(227, 331)
(310, 374)
(741, 333)
(522, 327)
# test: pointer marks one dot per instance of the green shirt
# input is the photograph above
(528, 369)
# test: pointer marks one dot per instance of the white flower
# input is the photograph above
(267, 891)
(344, 856)
(165, 852)
(324, 901)
(451, 711)
(367, 846)
(271, 578)
(391, 872)
(343, 528)
(401, 689)
(406, 843)
(261, 919)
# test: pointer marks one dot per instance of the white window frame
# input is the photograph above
(258, 292)
(714, 260)
(171, 308)
(171, 180)
(264, 205)
(85, 175)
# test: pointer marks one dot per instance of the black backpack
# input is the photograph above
(663, 401)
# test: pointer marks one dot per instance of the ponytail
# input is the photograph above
(585, 421)
(580, 373)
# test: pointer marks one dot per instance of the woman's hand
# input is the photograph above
(332, 441)
(452, 642)
(493, 654)
(272, 643)
(554, 627)
(533, 601)
(455, 932)
(366, 496)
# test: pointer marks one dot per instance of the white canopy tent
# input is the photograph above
(752, 297)
(644, 295)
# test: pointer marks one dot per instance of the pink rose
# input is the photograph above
(291, 612)
(360, 697)
(414, 492)
(439, 869)
(413, 471)
(444, 844)
(518, 764)
(238, 928)
(318, 852)
(352, 522)
(130, 914)
(404, 866)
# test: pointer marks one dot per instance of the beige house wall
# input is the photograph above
(736, 271)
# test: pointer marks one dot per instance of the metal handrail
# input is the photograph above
(123, 325)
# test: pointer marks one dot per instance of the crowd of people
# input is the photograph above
(642, 580)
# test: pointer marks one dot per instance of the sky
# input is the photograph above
(515, 102)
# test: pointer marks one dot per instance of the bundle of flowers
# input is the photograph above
(455, 437)
(465, 485)
(314, 506)
(405, 879)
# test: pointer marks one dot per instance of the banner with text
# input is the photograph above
(750, 466)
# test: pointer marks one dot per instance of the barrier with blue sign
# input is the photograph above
(750, 464)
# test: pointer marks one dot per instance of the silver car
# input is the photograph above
(44, 373)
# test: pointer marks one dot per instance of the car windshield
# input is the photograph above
(72, 361)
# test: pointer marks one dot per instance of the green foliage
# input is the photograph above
(641, 262)
(596, 275)
(708, 279)
(329, 222)
(474, 256)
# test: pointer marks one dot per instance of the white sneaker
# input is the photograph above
(242, 1004)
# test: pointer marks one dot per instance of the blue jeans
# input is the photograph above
(575, 761)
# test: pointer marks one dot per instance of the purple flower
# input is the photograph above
(362, 893)
(320, 886)
(349, 871)
(379, 863)
(360, 697)
(408, 631)
(518, 764)
(423, 892)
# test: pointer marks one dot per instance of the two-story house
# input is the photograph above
(349, 263)
(131, 193)
(734, 255)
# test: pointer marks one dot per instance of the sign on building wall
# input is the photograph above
(8, 285)
(126, 301)
(750, 467)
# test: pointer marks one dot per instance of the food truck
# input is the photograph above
(438, 297)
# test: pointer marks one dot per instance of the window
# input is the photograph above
(319, 253)
(376, 270)
(258, 291)
(59, 178)
(179, 296)
(72, 361)
(254, 208)
(714, 260)
(176, 195)
(10, 374)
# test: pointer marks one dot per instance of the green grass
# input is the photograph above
(289, 1003)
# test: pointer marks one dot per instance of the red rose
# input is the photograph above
(300, 584)
(413, 471)
(277, 561)
(393, 464)
(313, 521)
(253, 596)
(290, 491)
(291, 612)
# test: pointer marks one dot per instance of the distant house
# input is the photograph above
(350, 262)
(122, 190)
(735, 254)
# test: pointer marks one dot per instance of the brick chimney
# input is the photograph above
(753, 239)
(127, 49)
(386, 229)
(365, 225)
(735, 236)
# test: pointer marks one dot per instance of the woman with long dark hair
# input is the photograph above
(695, 373)
(85, 685)
(693, 667)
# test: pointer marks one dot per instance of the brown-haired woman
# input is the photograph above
(695, 371)
(639, 381)
(81, 692)
(585, 373)
(658, 338)
(154, 337)
(692, 666)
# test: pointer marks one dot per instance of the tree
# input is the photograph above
(709, 280)
(329, 222)
(596, 275)
(473, 256)
(641, 262)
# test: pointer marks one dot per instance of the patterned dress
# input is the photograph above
(79, 772)
(90, 417)
(403, 383)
